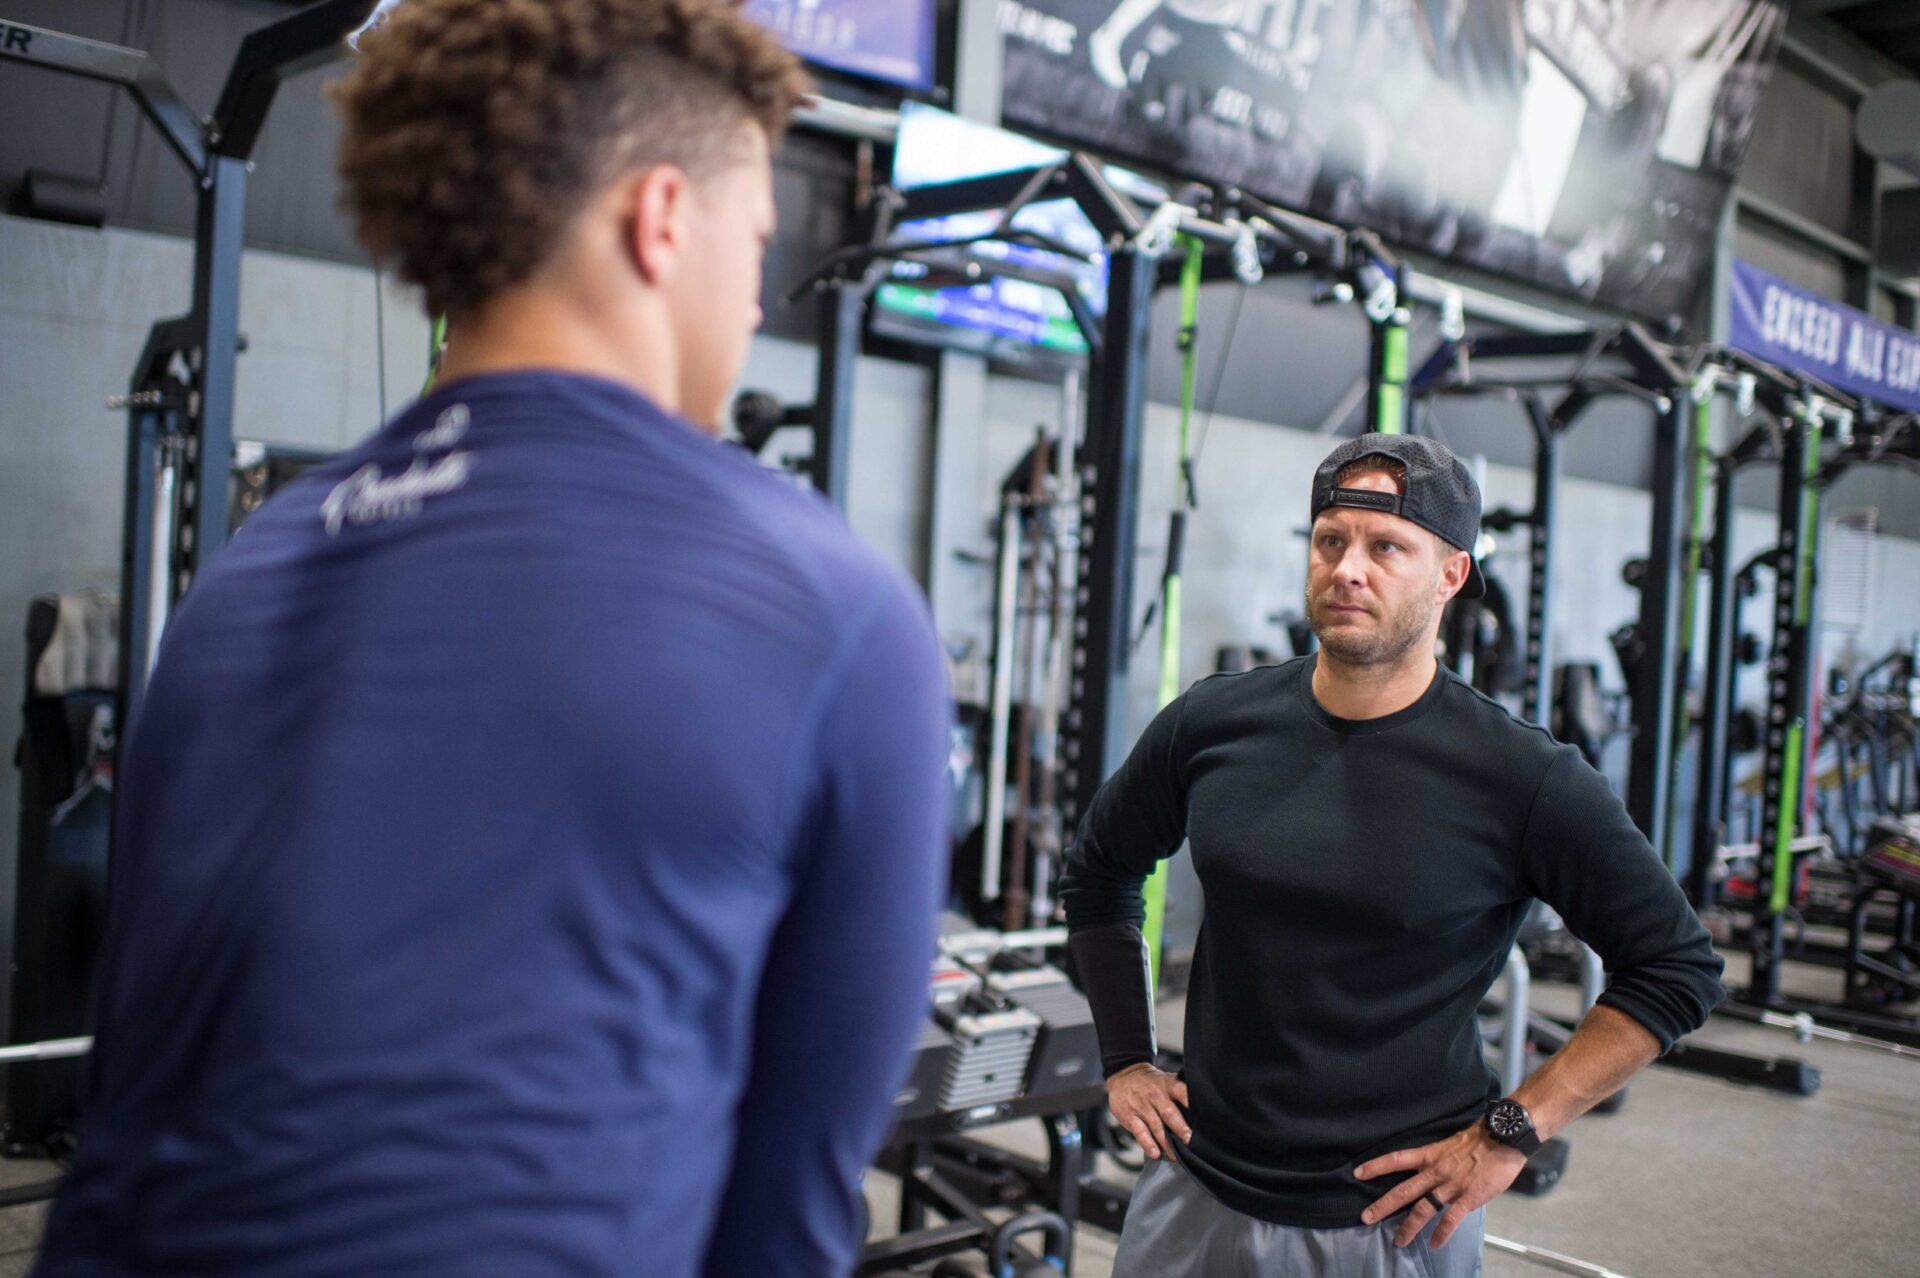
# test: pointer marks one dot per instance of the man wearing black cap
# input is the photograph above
(1369, 832)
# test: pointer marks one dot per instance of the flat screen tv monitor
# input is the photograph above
(1009, 319)
(895, 41)
(889, 40)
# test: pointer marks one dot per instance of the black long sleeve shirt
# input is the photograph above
(1364, 881)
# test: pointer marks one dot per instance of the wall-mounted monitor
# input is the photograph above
(891, 40)
(1012, 319)
(896, 41)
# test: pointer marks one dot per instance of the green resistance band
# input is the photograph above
(1154, 929)
(1690, 593)
(437, 347)
(1396, 342)
(1805, 551)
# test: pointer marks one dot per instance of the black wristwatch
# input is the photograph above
(1509, 1123)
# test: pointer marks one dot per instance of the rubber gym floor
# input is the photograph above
(1693, 1178)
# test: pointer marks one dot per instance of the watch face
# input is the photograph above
(1508, 1120)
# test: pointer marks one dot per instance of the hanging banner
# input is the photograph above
(891, 40)
(1587, 146)
(1800, 330)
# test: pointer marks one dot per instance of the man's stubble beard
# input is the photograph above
(1389, 644)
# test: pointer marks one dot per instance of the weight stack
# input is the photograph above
(988, 1064)
(1068, 1056)
(920, 1096)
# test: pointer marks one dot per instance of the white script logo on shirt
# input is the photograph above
(448, 431)
(368, 497)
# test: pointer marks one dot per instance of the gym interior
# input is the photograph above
(1068, 301)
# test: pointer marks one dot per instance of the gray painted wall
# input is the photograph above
(75, 306)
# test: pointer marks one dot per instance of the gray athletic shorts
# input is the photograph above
(1176, 1229)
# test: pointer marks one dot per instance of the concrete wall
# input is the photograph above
(890, 490)
(1246, 557)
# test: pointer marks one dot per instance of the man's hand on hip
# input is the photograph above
(1149, 1103)
(1460, 1174)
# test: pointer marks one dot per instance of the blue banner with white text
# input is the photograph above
(1800, 330)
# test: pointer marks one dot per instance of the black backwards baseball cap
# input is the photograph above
(1441, 496)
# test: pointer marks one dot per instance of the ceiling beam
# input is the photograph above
(1878, 15)
(1835, 59)
(1902, 44)
(1814, 8)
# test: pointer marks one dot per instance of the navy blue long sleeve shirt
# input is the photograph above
(528, 854)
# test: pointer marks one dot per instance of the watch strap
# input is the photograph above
(1527, 1142)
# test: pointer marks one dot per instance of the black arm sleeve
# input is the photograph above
(1585, 858)
(1137, 819)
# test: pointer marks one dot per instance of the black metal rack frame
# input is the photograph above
(943, 1170)
(1678, 388)
(1798, 410)
(181, 401)
(1647, 371)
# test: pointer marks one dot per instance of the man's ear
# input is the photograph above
(1453, 574)
(658, 213)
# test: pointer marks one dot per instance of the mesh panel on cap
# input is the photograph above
(1448, 495)
(1441, 494)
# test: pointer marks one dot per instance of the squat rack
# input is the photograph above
(1645, 370)
(1747, 377)
(1619, 361)
(181, 401)
(1801, 410)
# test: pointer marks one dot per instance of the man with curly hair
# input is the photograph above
(530, 839)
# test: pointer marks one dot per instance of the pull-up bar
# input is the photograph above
(131, 69)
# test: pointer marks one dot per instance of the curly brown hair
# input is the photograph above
(476, 130)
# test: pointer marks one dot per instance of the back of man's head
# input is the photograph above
(478, 131)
